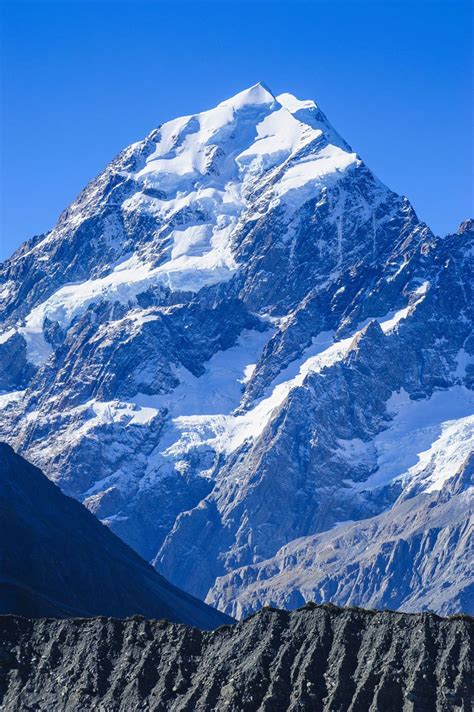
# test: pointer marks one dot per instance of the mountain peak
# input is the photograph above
(181, 343)
(466, 226)
(257, 94)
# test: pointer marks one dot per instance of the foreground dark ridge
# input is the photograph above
(57, 559)
(319, 658)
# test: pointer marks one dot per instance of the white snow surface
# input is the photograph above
(11, 397)
(200, 411)
(123, 284)
(6, 335)
(208, 164)
(425, 444)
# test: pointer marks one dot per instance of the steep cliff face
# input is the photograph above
(370, 420)
(236, 337)
(316, 658)
(56, 559)
(415, 556)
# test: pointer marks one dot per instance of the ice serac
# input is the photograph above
(236, 339)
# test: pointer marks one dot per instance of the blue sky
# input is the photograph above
(81, 79)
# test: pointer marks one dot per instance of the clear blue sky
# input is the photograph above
(81, 79)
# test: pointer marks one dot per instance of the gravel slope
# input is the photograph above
(316, 658)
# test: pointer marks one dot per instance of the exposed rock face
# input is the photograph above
(317, 658)
(237, 337)
(417, 555)
(57, 559)
(343, 445)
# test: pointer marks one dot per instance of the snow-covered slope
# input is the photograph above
(236, 337)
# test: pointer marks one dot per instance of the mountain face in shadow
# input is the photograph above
(57, 559)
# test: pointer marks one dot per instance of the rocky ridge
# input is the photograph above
(415, 556)
(319, 657)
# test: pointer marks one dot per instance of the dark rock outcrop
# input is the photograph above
(317, 658)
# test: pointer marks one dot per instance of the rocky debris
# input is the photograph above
(316, 658)
(57, 559)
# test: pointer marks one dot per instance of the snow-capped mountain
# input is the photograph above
(237, 337)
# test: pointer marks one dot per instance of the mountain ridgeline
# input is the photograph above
(248, 357)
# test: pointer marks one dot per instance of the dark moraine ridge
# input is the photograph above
(316, 658)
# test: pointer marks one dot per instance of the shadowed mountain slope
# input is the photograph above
(57, 559)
